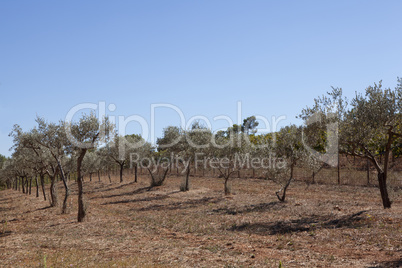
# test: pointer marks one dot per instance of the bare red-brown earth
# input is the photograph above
(130, 225)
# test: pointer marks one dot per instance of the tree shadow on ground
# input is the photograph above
(3, 200)
(311, 223)
(5, 233)
(388, 264)
(182, 205)
(130, 193)
(145, 199)
(3, 209)
(38, 209)
(5, 221)
(262, 207)
(101, 188)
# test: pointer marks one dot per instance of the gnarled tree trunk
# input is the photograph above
(284, 188)
(185, 186)
(23, 185)
(42, 182)
(382, 183)
(53, 192)
(81, 204)
(37, 186)
(66, 188)
(30, 185)
(228, 191)
(121, 171)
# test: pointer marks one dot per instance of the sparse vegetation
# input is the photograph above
(128, 225)
(322, 222)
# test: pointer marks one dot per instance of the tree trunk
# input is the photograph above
(382, 176)
(23, 185)
(30, 185)
(37, 186)
(185, 184)
(53, 192)
(81, 205)
(227, 186)
(135, 173)
(26, 185)
(90, 176)
(66, 195)
(108, 174)
(66, 188)
(121, 172)
(339, 169)
(42, 182)
(368, 172)
(283, 197)
(99, 175)
(382, 182)
(158, 179)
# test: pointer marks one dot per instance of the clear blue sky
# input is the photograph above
(201, 56)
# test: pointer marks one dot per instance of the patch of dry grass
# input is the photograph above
(130, 225)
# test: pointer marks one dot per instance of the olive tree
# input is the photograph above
(371, 128)
(7, 175)
(227, 150)
(22, 167)
(26, 143)
(196, 143)
(106, 163)
(91, 164)
(51, 138)
(172, 146)
(288, 151)
(250, 125)
(126, 151)
(137, 148)
(117, 152)
(320, 133)
(84, 135)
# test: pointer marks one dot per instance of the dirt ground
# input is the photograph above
(130, 225)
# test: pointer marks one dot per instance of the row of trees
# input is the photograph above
(89, 147)
(368, 126)
(55, 151)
